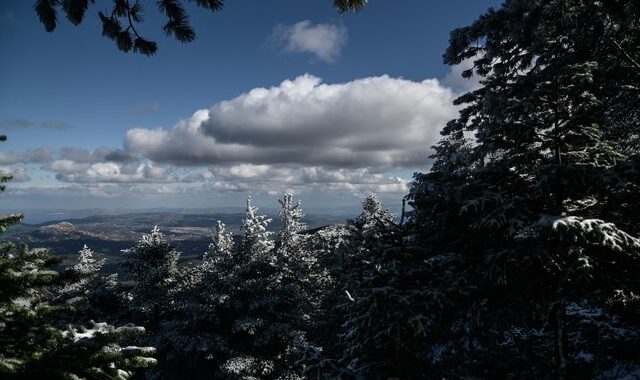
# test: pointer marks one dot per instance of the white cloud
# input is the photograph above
(379, 122)
(111, 172)
(34, 155)
(324, 41)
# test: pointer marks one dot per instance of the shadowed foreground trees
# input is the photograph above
(40, 335)
(531, 185)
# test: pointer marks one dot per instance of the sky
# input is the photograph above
(272, 96)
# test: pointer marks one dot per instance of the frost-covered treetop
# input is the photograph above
(371, 204)
(254, 227)
(291, 216)
(254, 224)
(372, 210)
(87, 264)
(222, 242)
(155, 237)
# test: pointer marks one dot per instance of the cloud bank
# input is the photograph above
(302, 134)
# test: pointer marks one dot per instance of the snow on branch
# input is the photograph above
(595, 231)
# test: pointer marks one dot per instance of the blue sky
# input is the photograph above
(73, 89)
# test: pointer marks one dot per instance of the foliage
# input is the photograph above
(152, 266)
(530, 202)
(122, 21)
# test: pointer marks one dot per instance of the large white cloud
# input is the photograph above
(324, 41)
(379, 122)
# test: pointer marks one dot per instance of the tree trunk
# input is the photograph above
(561, 340)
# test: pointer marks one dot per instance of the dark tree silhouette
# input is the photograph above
(121, 22)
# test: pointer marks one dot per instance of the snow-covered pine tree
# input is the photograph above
(537, 206)
(365, 227)
(291, 216)
(87, 264)
(191, 340)
(152, 266)
(221, 243)
(94, 297)
(256, 239)
(32, 343)
(344, 260)
(84, 270)
(297, 258)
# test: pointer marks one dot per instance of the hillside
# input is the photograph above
(108, 235)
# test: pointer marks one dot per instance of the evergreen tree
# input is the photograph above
(121, 23)
(255, 237)
(535, 203)
(222, 243)
(152, 265)
(291, 216)
(191, 339)
(93, 296)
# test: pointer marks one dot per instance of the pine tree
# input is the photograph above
(121, 22)
(222, 243)
(255, 237)
(191, 339)
(87, 264)
(9, 220)
(152, 265)
(291, 216)
(243, 310)
(85, 270)
(535, 204)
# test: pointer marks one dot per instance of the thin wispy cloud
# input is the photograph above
(56, 124)
(146, 107)
(21, 123)
(16, 123)
(323, 41)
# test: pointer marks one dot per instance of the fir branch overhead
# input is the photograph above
(121, 20)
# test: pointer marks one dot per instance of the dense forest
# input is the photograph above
(517, 256)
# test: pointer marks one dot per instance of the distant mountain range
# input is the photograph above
(108, 235)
